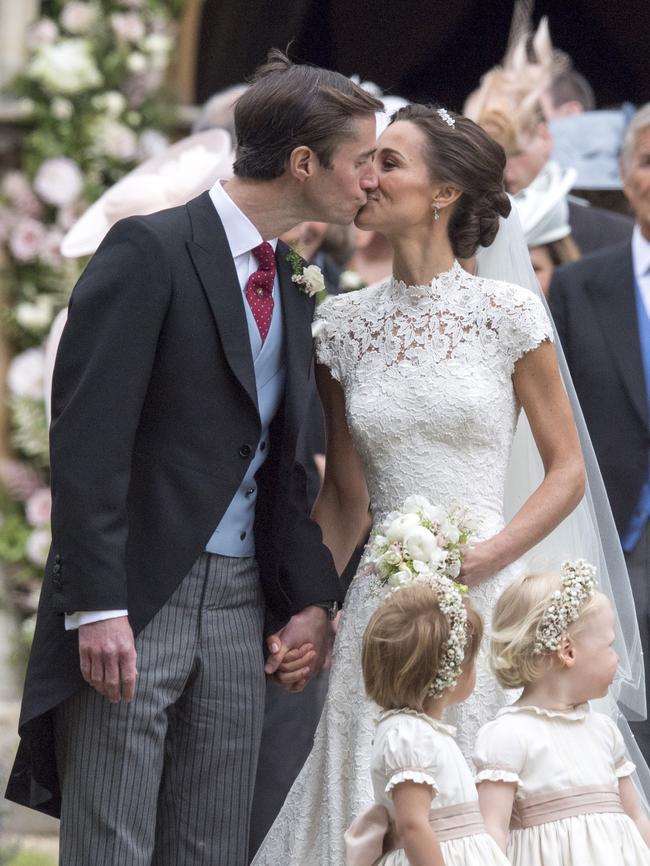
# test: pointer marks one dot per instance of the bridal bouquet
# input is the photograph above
(419, 541)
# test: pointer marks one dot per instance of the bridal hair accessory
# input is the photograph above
(578, 584)
(444, 115)
(450, 602)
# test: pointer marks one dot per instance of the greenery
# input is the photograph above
(94, 80)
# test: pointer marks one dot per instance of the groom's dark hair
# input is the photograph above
(290, 105)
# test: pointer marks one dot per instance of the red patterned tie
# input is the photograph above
(259, 288)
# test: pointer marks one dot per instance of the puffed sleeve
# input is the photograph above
(622, 763)
(409, 752)
(500, 752)
(329, 343)
(525, 324)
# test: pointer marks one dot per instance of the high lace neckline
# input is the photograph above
(439, 285)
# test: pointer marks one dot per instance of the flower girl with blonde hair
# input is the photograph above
(554, 779)
(418, 657)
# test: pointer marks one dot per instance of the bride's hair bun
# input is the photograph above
(463, 155)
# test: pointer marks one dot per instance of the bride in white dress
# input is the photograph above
(422, 380)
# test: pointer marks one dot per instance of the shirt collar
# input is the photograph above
(240, 232)
(640, 253)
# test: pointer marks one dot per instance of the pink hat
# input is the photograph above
(171, 178)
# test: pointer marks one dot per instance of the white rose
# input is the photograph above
(50, 253)
(415, 503)
(402, 577)
(35, 316)
(420, 543)
(78, 17)
(435, 514)
(59, 181)
(26, 239)
(118, 141)
(401, 525)
(17, 188)
(392, 556)
(25, 374)
(68, 67)
(349, 281)
(38, 546)
(62, 108)
(43, 32)
(312, 279)
(128, 26)
(38, 507)
(136, 62)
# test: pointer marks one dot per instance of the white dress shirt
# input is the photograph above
(242, 237)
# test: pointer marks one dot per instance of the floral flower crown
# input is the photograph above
(450, 602)
(578, 584)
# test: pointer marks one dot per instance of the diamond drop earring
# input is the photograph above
(436, 211)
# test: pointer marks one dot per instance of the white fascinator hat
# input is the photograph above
(543, 208)
(168, 179)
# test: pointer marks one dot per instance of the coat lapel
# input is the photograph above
(297, 308)
(615, 305)
(216, 270)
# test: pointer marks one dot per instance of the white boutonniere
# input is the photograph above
(309, 279)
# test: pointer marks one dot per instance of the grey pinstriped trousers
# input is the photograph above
(168, 779)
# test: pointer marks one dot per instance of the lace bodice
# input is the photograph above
(427, 376)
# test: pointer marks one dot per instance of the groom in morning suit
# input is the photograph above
(179, 518)
(601, 307)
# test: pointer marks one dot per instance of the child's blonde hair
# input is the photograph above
(516, 618)
(403, 647)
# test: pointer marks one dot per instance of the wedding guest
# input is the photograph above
(526, 137)
(601, 307)
(219, 111)
(548, 767)
(426, 808)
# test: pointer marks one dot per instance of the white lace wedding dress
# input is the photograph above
(427, 376)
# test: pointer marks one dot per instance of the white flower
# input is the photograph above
(402, 577)
(25, 374)
(62, 108)
(78, 17)
(43, 32)
(36, 316)
(38, 507)
(350, 281)
(420, 543)
(415, 503)
(26, 239)
(128, 26)
(118, 141)
(59, 181)
(450, 531)
(68, 67)
(50, 253)
(310, 281)
(136, 62)
(112, 102)
(38, 546)
(401, 525)
(158, 46)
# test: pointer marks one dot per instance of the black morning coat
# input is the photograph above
(593, 304)
(154, 424)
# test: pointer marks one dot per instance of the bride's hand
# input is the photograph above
(479, 564)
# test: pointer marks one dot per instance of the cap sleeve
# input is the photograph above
(526, 322)
(409, 754)
(328, 343)
(500, 753)
(622, 763)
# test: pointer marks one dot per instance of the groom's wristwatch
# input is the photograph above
(332, 608)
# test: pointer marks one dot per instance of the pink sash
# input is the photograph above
(373, 834)
(542, 808)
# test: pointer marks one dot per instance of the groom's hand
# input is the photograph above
(107, 658)
(298, 651)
